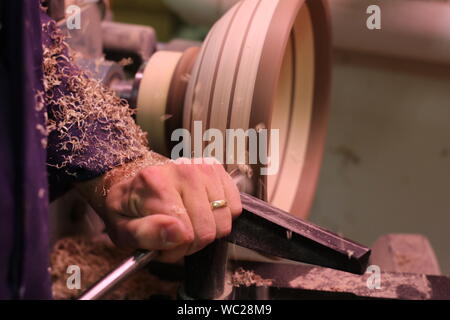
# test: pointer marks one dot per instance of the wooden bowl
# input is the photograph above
(264, 64)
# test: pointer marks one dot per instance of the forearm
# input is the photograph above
(90, 129)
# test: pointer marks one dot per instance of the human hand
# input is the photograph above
(168, 208)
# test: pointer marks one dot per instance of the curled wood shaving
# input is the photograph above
(125, 62)
(247, 278)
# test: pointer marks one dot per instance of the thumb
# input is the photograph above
(155, 232)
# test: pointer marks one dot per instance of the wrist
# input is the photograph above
(96, 191)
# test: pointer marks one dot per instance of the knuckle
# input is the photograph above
(187, 171)
(182, 160)
(147, 176)
(206, 168)
(152, 181)
(189, 238)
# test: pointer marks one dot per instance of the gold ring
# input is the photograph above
(218, 204)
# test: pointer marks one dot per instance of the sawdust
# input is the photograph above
(95, 259)
(247, 278)
(393, 285)
(92, 126)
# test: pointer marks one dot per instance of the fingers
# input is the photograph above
(197, 186)
(155, 191)
(154, 232)
(197, 204)
(231, 191)
(160, 232)
(215, 191)
(168, 208)
(168, 202)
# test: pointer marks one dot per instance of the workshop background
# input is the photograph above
(387, 157)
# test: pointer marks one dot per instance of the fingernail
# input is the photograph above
(172, 235)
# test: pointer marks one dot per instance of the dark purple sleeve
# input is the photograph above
(90, 130)
(24, 229)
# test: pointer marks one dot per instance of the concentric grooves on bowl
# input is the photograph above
(234, 83)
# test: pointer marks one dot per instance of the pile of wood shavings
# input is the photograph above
(96, 259)
(247, 278)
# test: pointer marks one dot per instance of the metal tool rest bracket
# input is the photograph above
(205, 271)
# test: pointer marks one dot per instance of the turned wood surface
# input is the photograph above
(265, 64)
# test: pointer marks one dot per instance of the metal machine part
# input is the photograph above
(284, 236)
(108, 283)
(99, 37)
(131, 38)
(299, 281)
